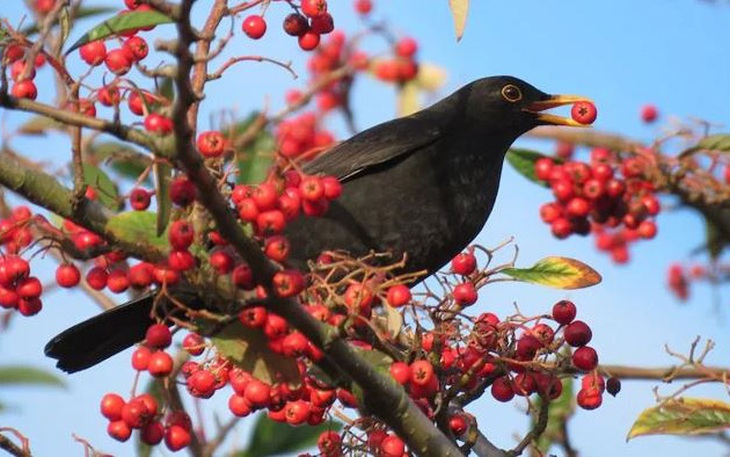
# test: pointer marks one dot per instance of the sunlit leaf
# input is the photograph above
(270, 438)
(523, 161)
(459, 11)
(430, 77)
(720, 143)
(106, 190)
(249, 349)
(558, 272)
(408, 99)
(137, 227)
(684, 416)
(24, 375)
(121, 23)
(394, 320)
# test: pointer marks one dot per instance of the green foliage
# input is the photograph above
(271, 438)
(523, 161)
(136, 227)
(684, 416)
(106, 190)
(121, 23)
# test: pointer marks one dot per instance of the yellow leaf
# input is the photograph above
(684, 416)
(459, 11)
(430, 77)
(408, 102)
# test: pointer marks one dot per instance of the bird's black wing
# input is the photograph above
(376, 146)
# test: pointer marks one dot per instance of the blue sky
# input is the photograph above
(622, 54)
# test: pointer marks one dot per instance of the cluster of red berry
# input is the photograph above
(680, 277)
(21, 72)
(307, 25)
(610, 197)
(143, 413)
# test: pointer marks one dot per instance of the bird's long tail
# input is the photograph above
(96, 339)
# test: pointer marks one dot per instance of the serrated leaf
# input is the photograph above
(459, 12)
(271, 438)
(39, 125)
(523, 161)
(163, 177)
(122, 158)
(121, 23)
(408, 102)
(720, 143)
(24, 375)
(137, 227)
(684, 416)
(558, 272)
(106, 190)
(249, 349)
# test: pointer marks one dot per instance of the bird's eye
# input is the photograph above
(511, 93)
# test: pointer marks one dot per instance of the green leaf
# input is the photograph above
(137, 227)
(523, 161)
(254, 161)
(558, 272)
(65, 21)
(24, 375)
(459, 12)
(39, 125)
(684, 416)
(719, 143)
(163, 176)
(166, 89)
(249, 349)
(122, 158)
(271, 438)
(106, 190)
(561, 409)
(121, 23)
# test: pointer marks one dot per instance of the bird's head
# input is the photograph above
(513, 106)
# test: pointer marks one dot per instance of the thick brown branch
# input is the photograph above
(667, 374)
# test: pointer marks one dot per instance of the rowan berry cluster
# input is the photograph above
(610, 197)
(307, 23)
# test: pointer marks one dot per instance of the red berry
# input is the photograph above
(406, 47)
(117, 281)
(585, 358)
(649, 113)
(314, 8)
(221, 261)
(111, 406)
(288, 283)
(589, 398)
(502, 389)
(254, 26)
(584, 113)
(141, 358)
(182, 191)
(363, 6)
(68, 275)
(152, 433)
(323, 24)
(561, 228)
(93, 53)
(613, 386)
(308, 40)
(160, 364)
(257, 393)
(136, 48)
(239, 406)
(465, 294)
(118, 61)
(158, 124)
(97, 277)
(578, 333)
(177, 437)
(392, 446)
(181, 234)
(211, 144)
(295, 25)
(421, 372)
(119, 430)
(401, 372)
(399, 295)
(564, 312)
(29, 288)
(140, 199)
(464, 263)
(24, 89)
(158, 336)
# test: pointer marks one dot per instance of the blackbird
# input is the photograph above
(422, 185)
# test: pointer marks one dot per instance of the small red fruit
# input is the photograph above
(309, 40)
(584, 113)
(158, 336)
(118, 61)
(464, 264)
(93, 53)
(465, 294)
(564, 312)
(111, 406)
(160, 364)
(578, 333)
(585, 358)
(254, 26)
(398, 295)
(140, 199)
(649, 113)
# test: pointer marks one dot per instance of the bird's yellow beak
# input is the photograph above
(553, 102)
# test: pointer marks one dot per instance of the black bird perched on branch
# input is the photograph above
(422, 185)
